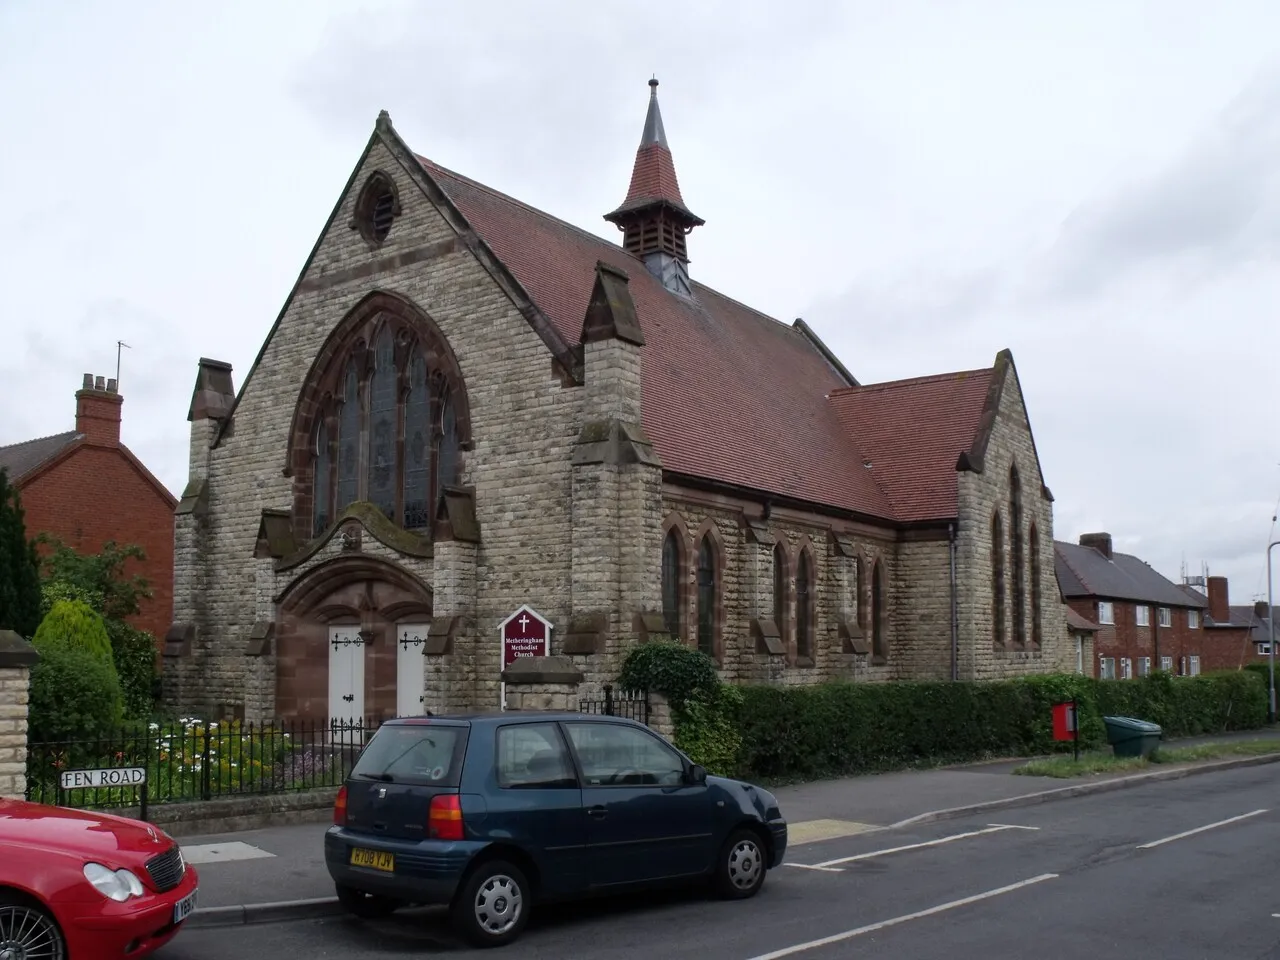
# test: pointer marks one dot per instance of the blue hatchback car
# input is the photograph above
(490, 814)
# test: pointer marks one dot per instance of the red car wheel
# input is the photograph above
(28, 932)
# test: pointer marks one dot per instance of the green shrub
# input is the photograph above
(134, 653)
(51, 591)
(1263, 670)
(703, 709)
(74, 622)
(75, 695)
(706, 730)
(674, 670)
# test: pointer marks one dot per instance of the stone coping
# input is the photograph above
(15, 652)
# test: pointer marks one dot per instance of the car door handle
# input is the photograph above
(597, 811)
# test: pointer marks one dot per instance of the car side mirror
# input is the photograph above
(697, 774)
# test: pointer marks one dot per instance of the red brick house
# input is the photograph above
(1235, 635)
(1144, 622)
(86, 488)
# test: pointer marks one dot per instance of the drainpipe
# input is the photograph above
(1155, 636)
(955, 613)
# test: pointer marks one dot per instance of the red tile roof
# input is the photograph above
(653, 177)
(734, 396)
(912, 432)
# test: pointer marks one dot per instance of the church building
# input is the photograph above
(470, 413)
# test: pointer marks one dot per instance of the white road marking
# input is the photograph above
(1207, 826)
(873, 927)
(910, 846)
(222, 852)
(810, 866)
(1011, 826)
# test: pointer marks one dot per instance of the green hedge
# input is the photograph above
(836, 729)
(787, 733)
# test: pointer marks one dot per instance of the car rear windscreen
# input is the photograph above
(418, 753)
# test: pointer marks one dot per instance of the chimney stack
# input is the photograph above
(98, 411)
(1219, 602)
(1099, 541)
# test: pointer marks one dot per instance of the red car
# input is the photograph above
(76, 885)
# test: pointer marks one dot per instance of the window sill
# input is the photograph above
(806, 662)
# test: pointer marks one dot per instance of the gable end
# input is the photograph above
(566, 357)
(973, 460)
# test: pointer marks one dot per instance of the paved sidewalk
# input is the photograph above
(287, 863)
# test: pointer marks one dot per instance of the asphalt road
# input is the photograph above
(1117, 876)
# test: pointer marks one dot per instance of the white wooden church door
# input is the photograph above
(410, 673)
(346, 677)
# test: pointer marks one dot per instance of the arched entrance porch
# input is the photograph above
(351, 635)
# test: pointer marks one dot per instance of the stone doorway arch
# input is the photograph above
(336, 627)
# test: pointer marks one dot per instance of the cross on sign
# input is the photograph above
(524, 621)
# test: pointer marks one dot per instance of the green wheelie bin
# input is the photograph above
(1130, 737)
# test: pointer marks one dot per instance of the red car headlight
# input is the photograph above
(117, 885)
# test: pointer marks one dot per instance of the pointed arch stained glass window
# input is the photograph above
(804, 606)
(417, 447)
(671, 582)
(349, 440)
(320, 497)
(381, 455)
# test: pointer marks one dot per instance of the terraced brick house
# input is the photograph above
(466, 406)
(1140, 621)
(85, 487)
(1235, 635)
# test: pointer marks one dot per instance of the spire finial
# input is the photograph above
(653, 131)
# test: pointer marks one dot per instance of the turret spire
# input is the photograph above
(653, 129)
(653, 218)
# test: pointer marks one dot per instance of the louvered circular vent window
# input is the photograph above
(376, 209)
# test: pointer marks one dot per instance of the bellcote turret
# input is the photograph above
(653, 218)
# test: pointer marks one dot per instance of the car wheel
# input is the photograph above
(366, 906)
(27, 930)
(493, 905)
(741, 867)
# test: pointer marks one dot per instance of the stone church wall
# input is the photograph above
(524, 421)
(746, 551)
(981, 494)
(921, 609)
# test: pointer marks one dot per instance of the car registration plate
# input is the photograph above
(184, 907)
(374, 859)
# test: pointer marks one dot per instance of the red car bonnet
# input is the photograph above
(80, 832)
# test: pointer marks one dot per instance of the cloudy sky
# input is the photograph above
(1091, 184)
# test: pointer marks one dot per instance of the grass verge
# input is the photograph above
(1097, 761)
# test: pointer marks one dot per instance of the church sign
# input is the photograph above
(526, 633)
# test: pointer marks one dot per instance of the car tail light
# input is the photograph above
(444, 818)
(340, 807)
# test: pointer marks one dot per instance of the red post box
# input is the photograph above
(1064, 720)
(1065, 726)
